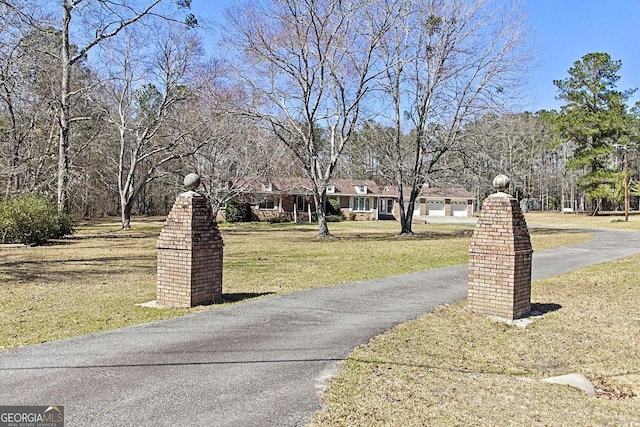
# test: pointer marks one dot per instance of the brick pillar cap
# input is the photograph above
(501, 184)
(500, 195)
(192, 181)
(189, 194)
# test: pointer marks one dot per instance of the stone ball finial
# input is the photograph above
(501, 182)
(192, 181)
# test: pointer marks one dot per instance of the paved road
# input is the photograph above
(259, 363)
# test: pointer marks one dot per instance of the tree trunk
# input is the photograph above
(596, 208)
(405, 226)
(321, 211)
(63, 148)
(14, 178)
(406, 218)
(126, 213)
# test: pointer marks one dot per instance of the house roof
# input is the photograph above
(449, 193)
(431, 192)
(349, 187)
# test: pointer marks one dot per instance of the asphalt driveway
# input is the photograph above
(259, 363)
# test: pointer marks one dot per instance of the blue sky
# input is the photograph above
(563, 31)
(566, 30)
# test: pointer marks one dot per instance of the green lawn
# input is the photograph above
(92, 281)
(446, 368)
(454, 368)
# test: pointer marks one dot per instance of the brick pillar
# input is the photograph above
(189, 254)
(500, 259)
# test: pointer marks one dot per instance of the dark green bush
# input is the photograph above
(31, 218)
(333, 207)
(329, 218)
(279, 219)
(237, 211)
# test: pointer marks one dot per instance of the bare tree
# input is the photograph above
(309, 64)
(24, 72)
(9, 82)
(236, 152)
(237, 156)
(518, 145)
(29, 75)
(447, 62)
(98, 20)
(149, 96)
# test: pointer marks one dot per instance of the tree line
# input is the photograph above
(106, 105)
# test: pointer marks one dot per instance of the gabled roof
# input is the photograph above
(449, 193)
(281, 185)
(347, 187)
(431, 192)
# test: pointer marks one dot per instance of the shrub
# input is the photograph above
(237, 211)
(31, 218)
(279, 219)
(329, 218)
(333, 207)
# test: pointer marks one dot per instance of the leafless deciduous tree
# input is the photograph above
(26, 75)
(235, 152)
(31, 74)
(309, 64)
(95, 22)
(447, 62)
(518, 145)
(149, 91)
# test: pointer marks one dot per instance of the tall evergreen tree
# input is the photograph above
(595, 118)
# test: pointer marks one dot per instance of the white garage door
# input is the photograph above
(459, 208)
(435, 207)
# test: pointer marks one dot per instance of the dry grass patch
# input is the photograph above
(76, 286)
(92, 281)
(609, 221)
(284, 258)
(452, 367)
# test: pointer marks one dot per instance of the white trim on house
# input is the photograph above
(361, 188)
(385, 205)
(361, 204)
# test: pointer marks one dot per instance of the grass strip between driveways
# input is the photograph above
(455, 368)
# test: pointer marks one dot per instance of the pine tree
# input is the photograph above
(595, 118)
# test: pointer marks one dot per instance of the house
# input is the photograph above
(360, 200)
(446, 202)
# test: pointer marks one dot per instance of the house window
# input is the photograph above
(361, 204)
(267, 187)
(331, 189)
(389, 206)
(361, 189)
(266, 204)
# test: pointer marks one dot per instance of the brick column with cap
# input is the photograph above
(500, 257)
(190, 250)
